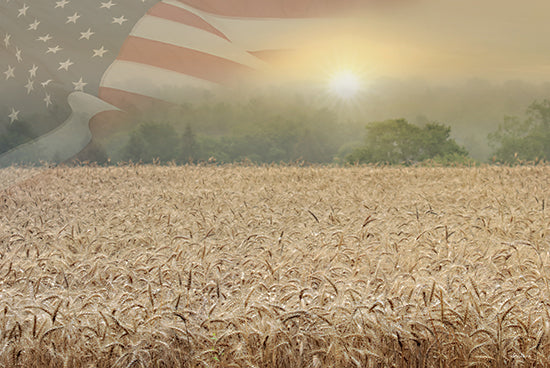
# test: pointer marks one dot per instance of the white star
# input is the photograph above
(34, 25)
(45, 83)
(79, 86)
(7, 40)
(9, 73)
(33, 70)
(14, 115)
(107, 5)
(29, 86)
(23, 11)
(99, 52)
(18, 55)
(54, 49)
(61, 4)
(48, 100)
(65, 65)
(86, 34)
(44, 38)
(119, 20)
(72, 18)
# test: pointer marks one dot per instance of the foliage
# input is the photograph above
(188, 145)
(399, 142)
(518, 141)
(256, 131)
(451, 159)
(94, 152)
(15, 134)
(151, 142)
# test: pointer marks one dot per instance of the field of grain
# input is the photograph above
(235, 266)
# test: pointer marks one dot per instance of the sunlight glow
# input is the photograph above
(345, 84)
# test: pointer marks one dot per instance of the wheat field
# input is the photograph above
(241, 266)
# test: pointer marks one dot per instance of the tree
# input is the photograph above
(527, 140)
(399, 142)
(15, 134)
(134, 150)
(150, 142)
(93, 152)
(188, 145)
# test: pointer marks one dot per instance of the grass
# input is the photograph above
(236, 266)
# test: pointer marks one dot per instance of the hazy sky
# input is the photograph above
(438, 40)
(504, 39)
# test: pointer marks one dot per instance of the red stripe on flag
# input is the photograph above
(129, 101)
(173, 13)
(182, 60)
(105, 123)
(270, 56)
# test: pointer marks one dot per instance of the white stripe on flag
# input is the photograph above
(151, 81)
(66, 140)
(182, 35)
(256, 34)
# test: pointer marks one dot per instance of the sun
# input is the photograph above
(345, 84)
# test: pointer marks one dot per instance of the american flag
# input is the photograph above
(66, 62)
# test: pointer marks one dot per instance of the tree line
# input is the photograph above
(259, 132)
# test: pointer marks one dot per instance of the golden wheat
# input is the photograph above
(236, 266)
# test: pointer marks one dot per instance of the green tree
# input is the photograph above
(152, 141)
(15, 134)
(399, 142)
(188, 145)
(527, 140)
(93, 152)
(134, 150)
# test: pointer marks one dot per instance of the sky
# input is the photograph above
(436, 40)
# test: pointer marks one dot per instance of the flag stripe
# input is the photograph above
(177, 14)
(106, 123)
(152, 81)
(169, 32)
(269, 56)
(255, 34)
(182, 60)
(274, 9)
(129, 101)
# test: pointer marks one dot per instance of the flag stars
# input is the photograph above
(99, 52)
(10, 72)
(79, 85)
(29, 86)
(61, 4)
(18, 55)
(44, 38)
(107, 5)
(14, 115)
(48, 100)
(7, 40)
(73, 18)
(65, 65)
(119, 20)
(54, 50)
(86, 34)
(34, 25)
(45, 83)
(23, 11)
(32, 71)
